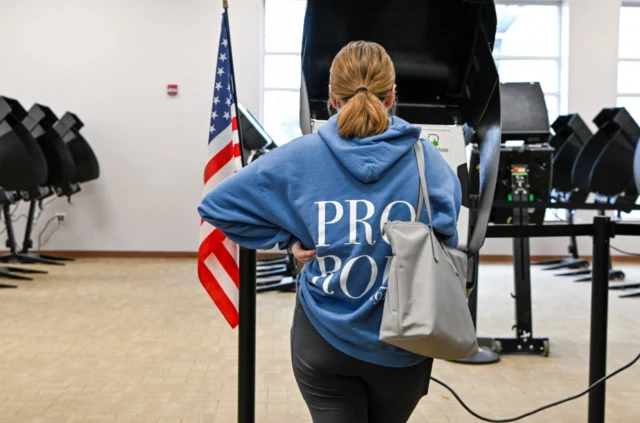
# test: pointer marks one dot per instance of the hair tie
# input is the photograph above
(362, 89)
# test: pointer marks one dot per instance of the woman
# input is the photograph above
(329, 194)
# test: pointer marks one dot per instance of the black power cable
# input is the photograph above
(537, 410)
(624, 252)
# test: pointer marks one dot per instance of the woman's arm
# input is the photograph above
(241, 209)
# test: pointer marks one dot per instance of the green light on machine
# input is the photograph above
(510, 197)
(531, 198)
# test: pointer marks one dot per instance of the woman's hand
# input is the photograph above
(302, 255)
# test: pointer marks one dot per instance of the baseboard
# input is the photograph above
(121, 254)
(138, 254)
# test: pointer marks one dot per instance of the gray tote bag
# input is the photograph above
(425, 310)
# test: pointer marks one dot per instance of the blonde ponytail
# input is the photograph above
(362, 77)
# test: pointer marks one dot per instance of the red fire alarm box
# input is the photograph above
(172, 90)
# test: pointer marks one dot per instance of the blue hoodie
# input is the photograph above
(334, 195)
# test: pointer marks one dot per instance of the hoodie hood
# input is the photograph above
(369, 158)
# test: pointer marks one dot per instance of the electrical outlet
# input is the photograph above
(61, 217)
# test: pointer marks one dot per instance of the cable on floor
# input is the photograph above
(537, 410)
(555, 213)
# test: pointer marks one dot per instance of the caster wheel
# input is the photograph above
(497, 347)
(545, 348)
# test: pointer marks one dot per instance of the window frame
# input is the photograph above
(621, 59)
(558, 59)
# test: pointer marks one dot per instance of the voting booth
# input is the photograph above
(636, 168)
(447, 82)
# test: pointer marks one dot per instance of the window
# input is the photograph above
(629, 70)
(629, 63)
(527, 47)
(283, 25)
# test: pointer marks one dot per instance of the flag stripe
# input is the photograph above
(219, 161)
(227, 285)
(219, 176)
(212, 243)
(233, 249)
(206, 229)
(225, 136)
(228, 263)
(228, 308)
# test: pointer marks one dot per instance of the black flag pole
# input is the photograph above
(247, 310)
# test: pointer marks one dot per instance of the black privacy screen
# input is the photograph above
(430, 43)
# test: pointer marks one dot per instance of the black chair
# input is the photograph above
(87, 166)
(62, 178)
(44, 126)
(39, 190)
(612, 147)
(633, 287)
(570, 135)
(23, 168)
(70, 161)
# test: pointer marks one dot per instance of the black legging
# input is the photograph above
(341, 389)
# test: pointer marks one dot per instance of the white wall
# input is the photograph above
(109, 61)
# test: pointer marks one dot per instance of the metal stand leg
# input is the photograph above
(14, 256)
(523, 342)
(4, 271)
(27, 259)
(8, 272)
(620, 286)
(569, 263)
(599, 313)
(631, 294)
(576, 273)
(56, 258)
(247, 337)
(613, 275)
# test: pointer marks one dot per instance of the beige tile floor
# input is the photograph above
(138, 340)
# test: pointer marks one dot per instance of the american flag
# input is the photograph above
(218, 256)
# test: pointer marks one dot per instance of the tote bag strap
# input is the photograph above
(424, 193)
